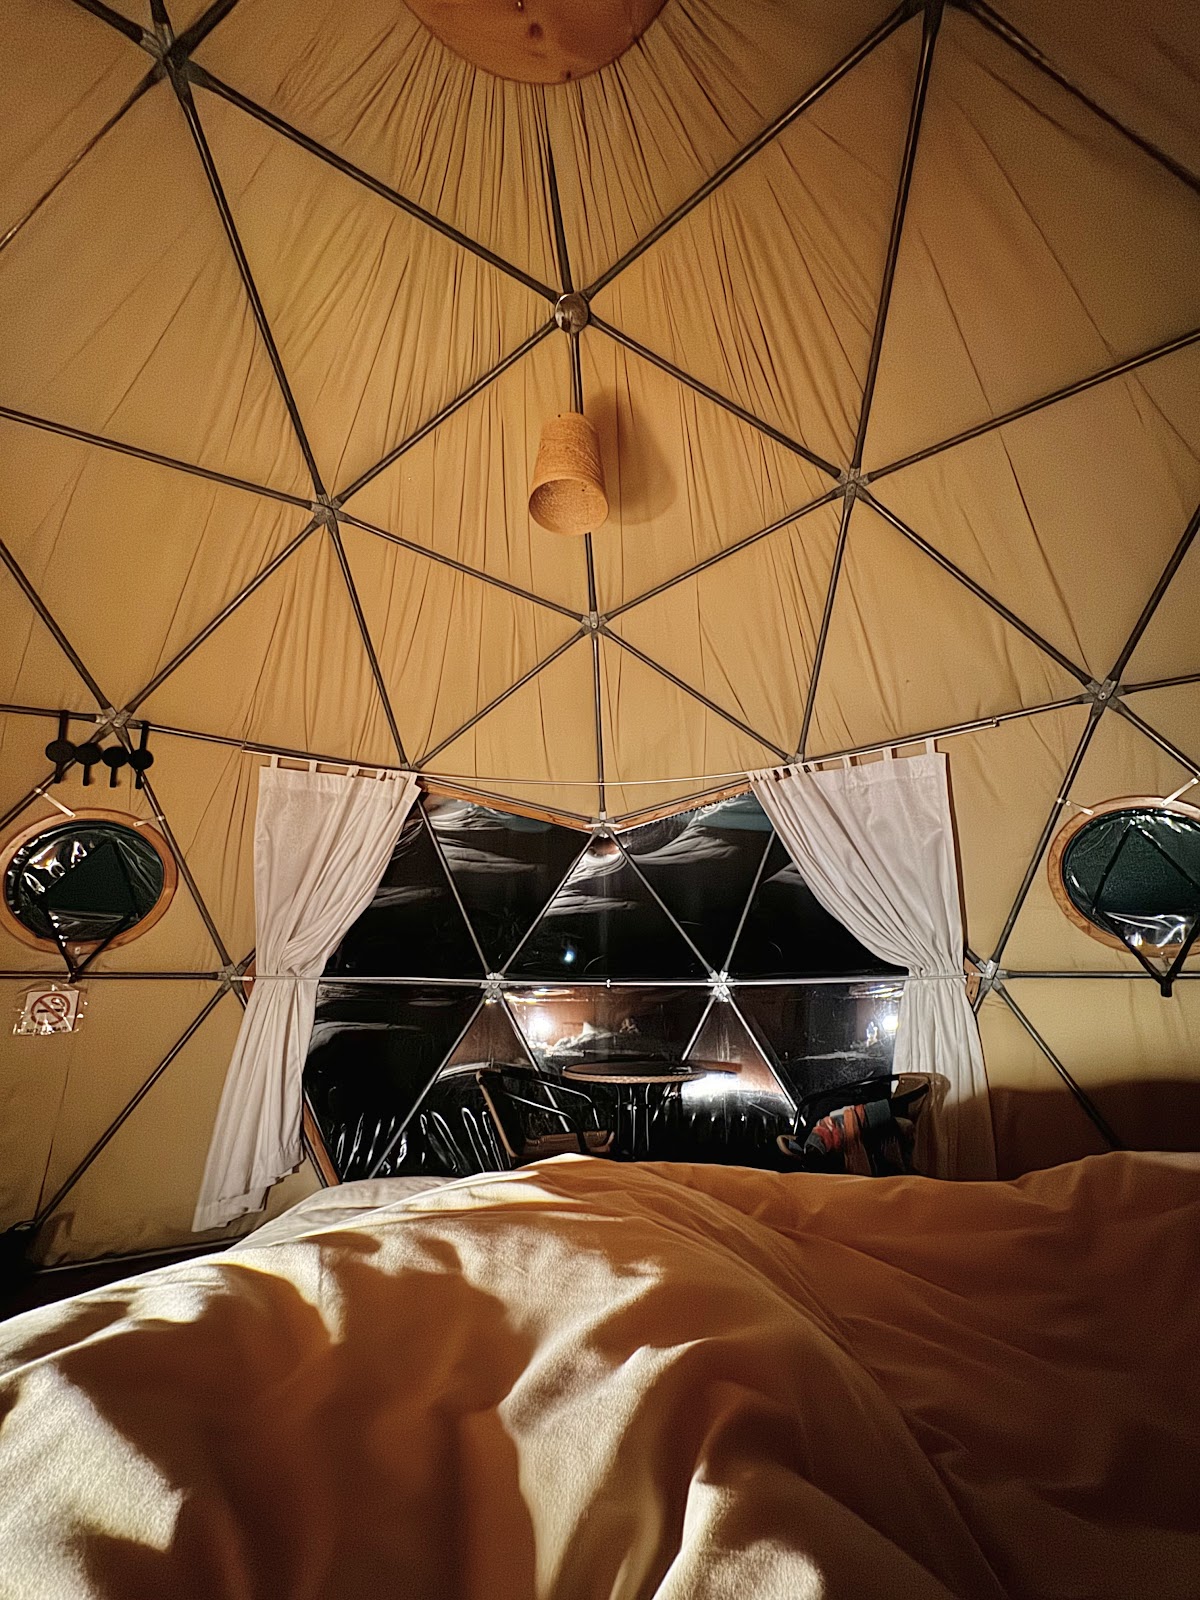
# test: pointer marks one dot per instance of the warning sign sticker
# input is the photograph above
(52, 1008)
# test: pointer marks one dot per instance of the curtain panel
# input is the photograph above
(875, 844)
(322, 843)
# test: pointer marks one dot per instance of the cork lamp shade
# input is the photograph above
(567, 492)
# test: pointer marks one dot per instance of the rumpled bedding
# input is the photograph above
(589, 1379)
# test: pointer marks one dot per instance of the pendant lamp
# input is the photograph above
(567, 493)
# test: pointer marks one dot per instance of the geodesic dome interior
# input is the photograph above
(892, 343)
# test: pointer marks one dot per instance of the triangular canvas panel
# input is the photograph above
(183, 13)
(1003, 781)
(464, 489)
(628, 150)
(1160, 1108)
(73, 1085)
(1170, 645)
(414, 926)
(1036, 1120)
(505, 867)
(1175, 713)
(210, 793)
(538, 747)
(127, 1029)
(754, 657)
(910, 649)
(23, 760)
(287, 667)
(132, 1198)
(448, 644)
(371, 83)
(125, 314)
(703, 865)
(1121, 761)
(380, 321)
(69, 75)
(1039, 246)
(754, 293)
(36, 1072)
(82, 520)
(1044, 511)
(685, 478)
(604, 922)
(34, 669)
(1138, 63)
(651, 726)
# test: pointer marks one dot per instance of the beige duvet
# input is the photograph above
(587, 1379)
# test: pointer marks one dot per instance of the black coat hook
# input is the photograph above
(87, 756)
(61, 751)
(114, 758)
(141, 759)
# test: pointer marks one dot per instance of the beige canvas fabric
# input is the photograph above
(172, 408)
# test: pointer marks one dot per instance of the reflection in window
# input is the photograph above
(414, 926)
(83, 881)
(1131, 876)
(570, 1026)
(703, 864)
(375, 1050)
(820, 1035)
(505, 867)
(605, 923)
(504, 957)
(789, 934)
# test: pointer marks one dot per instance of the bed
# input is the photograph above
(587, 1378)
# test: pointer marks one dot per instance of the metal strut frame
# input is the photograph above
(172, 57)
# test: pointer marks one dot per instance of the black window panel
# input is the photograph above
(736, 1116)
(413, 927)
(1136, 872)
(83, 881)
(820, 1035)
(375, 1048)
(452, 1134)
(605, 923)
(789, 934)
(702, 864)
(724, 1038)
(571, 1026)
(505, 868)
(492, 1037)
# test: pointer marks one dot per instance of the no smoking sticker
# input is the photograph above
(54, 1008)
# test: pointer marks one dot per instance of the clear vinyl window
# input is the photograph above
(88, 881)
(1128, 874)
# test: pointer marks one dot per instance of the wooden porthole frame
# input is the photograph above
(16, 841)
(1080, 821)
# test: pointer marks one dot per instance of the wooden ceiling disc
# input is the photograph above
(537, 41)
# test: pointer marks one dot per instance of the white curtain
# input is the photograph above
(875, 844)
(321, 846)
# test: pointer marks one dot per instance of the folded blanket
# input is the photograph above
(590, 1379)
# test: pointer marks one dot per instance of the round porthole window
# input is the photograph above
(1128, 874)
(93, 879)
